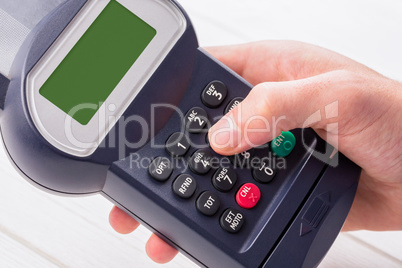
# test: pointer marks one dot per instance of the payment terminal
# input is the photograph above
(115, 97)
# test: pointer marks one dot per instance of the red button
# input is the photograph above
(248, 195)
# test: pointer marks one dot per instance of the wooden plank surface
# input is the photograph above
(40, 230)
(350, 251)
(16, 252)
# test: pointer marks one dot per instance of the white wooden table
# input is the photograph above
(40, 230)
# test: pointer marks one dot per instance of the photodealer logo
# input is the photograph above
(328, 118)
(265, 167)
(228, 135)
(68, 125)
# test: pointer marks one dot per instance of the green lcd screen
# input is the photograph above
(96, 64)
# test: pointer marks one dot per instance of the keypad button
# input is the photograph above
(160, 169)
(195, 120)
(248, 196)
(264, 172)
(184, 186)
(200, 161)
(178, 144)
(242, 160)
(232, 220)
(224, 179)
(233, 104)
(207, 139)
(208, 203)
(283, 144)
(214, 94)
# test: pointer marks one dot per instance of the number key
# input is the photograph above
(200, 161)
(214, 94)
(195, 120)
(178, 144)
(264, 172)
(224, 179)
(233, 104)
(242, 160)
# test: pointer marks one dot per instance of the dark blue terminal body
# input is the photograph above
(301, 209)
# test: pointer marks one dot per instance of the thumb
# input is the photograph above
(273, 107)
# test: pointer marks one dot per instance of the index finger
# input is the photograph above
(275, 61)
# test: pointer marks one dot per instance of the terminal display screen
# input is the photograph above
(98, 62)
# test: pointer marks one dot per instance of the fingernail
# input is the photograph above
(225, 135)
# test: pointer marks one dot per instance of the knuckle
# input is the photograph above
(265, 98)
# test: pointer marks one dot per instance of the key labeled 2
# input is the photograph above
(195, 120)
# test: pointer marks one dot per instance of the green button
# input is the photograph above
(283, 144)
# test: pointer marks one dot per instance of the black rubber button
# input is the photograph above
(200, 161)
(160, 169)
(233, 104)
(232, 220)
(178, 144)
(208, 203)
(195, 120)
(207, 139)
(184, 186)
(264, 172)
(214, 94)
(224, 179)
(242, 160)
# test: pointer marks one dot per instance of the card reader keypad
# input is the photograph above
(224, 179)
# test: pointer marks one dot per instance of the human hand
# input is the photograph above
(156, 248)
(295, 80)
